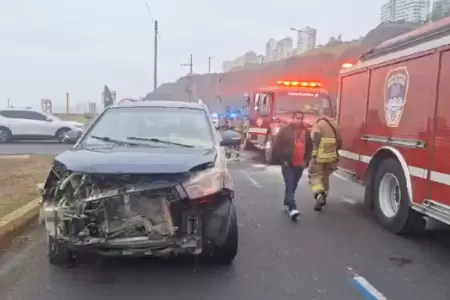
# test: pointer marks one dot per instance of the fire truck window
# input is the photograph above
(265, 105)
(256, 104)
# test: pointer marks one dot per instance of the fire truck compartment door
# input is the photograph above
(263, 110)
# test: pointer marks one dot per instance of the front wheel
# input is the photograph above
(61, 134)
(226, 252)
(391, 200)
(58, 253)
(268, 153)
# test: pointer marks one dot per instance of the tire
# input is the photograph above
(268, 157)
(61, 133)
(58, 254)
(5, 135)
(226, 253)
(402, 219)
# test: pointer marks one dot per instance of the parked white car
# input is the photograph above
(29, 124)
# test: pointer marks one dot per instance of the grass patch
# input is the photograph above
(75, 118)
(18, 179)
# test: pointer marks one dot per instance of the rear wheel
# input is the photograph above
(392, 202)
(5, 135)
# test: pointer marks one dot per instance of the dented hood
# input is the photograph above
(135, 160)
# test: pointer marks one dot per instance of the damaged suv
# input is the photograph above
(145, 179)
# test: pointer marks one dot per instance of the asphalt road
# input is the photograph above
(33, 147)
(338, 254)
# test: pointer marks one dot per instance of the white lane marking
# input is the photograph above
(251, 179)
(366, 289)
(349, 201)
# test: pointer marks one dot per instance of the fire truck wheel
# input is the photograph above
(391, 200)
(268, 150)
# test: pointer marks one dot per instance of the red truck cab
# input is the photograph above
(271, 108)
(394, 113)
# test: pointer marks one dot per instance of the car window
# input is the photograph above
(13, 114)
(180, 125)
(33, 115)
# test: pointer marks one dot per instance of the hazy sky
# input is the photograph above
(50, 47)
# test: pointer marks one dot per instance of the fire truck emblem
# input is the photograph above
(259, 122)
(396, 92)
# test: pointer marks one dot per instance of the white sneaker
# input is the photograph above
(294, 214)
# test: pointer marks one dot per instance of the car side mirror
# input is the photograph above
(49, 120)
(73, 135)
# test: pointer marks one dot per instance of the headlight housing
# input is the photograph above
(204, 183)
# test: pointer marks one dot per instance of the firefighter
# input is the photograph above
(326, 139)
(292, 149)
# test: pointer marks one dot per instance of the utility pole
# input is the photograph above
(155, 62)
(9, 104)
(209, 65)
(191, 85)
(190, 64)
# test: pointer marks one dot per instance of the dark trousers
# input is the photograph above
(291, 176)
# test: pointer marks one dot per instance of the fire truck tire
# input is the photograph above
(396, 214)
(268, 145)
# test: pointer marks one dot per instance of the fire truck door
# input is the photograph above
(262, 115)
(438, 193)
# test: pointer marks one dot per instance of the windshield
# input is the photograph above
(306, 103)
(155, 126)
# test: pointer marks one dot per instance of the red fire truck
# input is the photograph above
(394, 113)
(272, 107)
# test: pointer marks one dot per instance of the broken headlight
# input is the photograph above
(205, 183)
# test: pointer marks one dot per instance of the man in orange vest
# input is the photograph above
(292, 149)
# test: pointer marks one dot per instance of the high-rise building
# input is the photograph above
(442, 5)
(306, 39)
(284, 48)
(404, 10)
(271, 46)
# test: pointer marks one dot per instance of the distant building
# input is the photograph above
(306, 39)
(404, 10)
(227, 66)
(260, 59)
(441, 6)
(284, 48)
(248, 58)
(270, 52)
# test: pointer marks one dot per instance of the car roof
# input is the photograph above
(162, 103)
(16, 108)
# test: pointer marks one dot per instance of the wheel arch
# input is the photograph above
(6, 128)
(62, 128)
(380, 155)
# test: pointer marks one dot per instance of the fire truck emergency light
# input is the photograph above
(299, 84)
(347, 65)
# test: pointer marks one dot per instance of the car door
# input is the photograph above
(37, 124)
